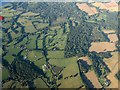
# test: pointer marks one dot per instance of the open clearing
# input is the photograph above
(93, 78)
(102, 46)
(87, 9)
(113, 66)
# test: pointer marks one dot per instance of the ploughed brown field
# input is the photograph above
(86, 8)
(113, 37)
(113, 66)
(102, 47)
(111, 6)
(105, 46)
(93, 78)
(108, 31)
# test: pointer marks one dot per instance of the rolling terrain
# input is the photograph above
(59, 45)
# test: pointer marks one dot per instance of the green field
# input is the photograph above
(39, 83)
(5, 73)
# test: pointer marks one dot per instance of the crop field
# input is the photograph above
(113, 63)
(111, 6)
(87, 8)
(102, 46)
(93, 78)
(42, 44)
(108, 31)
(113, 37)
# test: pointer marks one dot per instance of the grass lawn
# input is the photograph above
(57, 58)
(34, 55)
(74, 82)
(56, 54)
(14, 35)
(9, 58)
(40, 25)
(40, 62)
(71, 69)
(5, 73)
(24, 53)
(13, 50)
(39, 83)
(32, 42)
(23, 42)
(39, 43)
(59, 40)
(29, 28)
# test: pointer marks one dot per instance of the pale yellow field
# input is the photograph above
(102, 46)
(100, 5)
(93, 78)
(113, 37)
(84, 7)
(108, 31)
(111, 6)
(113, 66)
